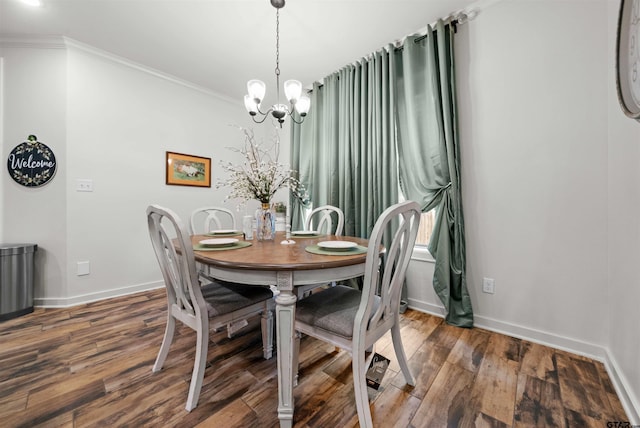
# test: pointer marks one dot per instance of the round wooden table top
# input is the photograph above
(272, 255)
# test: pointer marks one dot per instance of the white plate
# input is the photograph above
(224, 231)
(337, 245)
(304, 232)
(218, 242)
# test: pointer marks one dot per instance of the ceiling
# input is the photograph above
(220, 44)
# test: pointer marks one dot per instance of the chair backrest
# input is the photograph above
(207, 219)
(385, 272)
(178, 268)
(320, 219)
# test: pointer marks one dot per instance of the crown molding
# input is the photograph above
(62, 42)
(74, 44)
(31, 42)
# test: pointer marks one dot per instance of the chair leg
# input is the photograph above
(202, 346)
(360, 389)
(296, 356)
(267, 325)
(234, 327)
(166, 343)
(400, 355)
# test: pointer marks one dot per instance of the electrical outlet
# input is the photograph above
(84, 185)
(488, 285)
(83, 268)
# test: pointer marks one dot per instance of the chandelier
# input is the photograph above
(292, 89)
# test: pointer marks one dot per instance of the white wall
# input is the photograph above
(534, 144)
(534, 136)
(550, 183)
(34, 102)
(623, 207)
(112, 122)
(121, 123)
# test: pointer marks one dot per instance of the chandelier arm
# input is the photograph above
(278, 111)
(264, 116)
(294, 119)
(264, 113)
(259, 121)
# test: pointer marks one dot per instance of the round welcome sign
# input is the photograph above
(32, 163)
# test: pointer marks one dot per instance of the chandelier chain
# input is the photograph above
(278, 56)
(277, 42)
(293, 89)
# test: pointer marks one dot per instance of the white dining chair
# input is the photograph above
(321, 219)
(200, 306)
(354, 320)
(208, 219)
(204, 220)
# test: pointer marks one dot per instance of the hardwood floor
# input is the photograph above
(90, 365)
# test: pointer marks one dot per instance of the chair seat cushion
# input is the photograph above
(224, 297)
(333, 310)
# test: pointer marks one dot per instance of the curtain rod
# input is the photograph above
(456, 19)
(459, 18)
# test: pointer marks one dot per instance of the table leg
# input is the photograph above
(285, 317)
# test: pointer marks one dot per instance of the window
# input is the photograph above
(427, 221)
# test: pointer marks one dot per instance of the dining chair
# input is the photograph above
(204, 220)
(200, 306)
(320, 219)
(354, 320)
(211, 219)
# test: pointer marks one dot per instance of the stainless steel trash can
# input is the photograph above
(16, 279)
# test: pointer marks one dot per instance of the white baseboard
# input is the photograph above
(563, 343)
(629, 401)
(64, 302)
(596, 352)
(426, 307)
(574, 346)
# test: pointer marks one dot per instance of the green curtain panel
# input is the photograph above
(384, 123)
(429, 158)
(345, 149)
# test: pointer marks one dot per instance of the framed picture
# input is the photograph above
(188, 170)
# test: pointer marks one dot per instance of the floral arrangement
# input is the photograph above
(260, 175)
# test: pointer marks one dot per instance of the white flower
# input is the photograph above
(260, 176)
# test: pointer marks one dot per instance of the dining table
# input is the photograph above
(286, 264)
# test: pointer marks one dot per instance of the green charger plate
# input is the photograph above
(234, 246)
(314, 249)
(234, 233)
(305, 235)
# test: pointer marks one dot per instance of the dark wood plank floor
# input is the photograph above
(90, 365)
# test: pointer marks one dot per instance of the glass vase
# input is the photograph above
(265, 223)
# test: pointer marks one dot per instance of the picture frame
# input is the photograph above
(188, 170)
